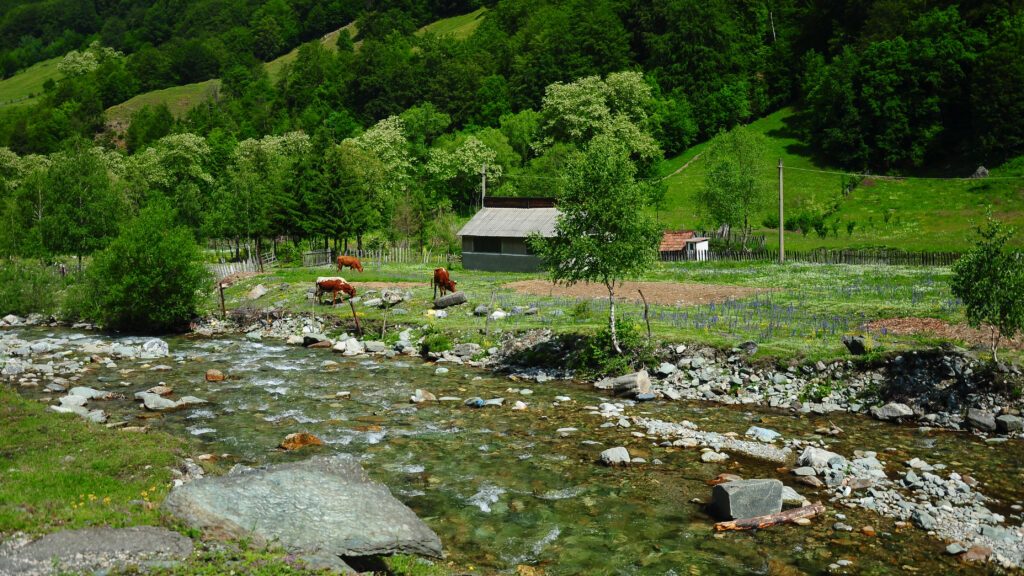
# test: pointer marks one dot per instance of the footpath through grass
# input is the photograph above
(800, 312)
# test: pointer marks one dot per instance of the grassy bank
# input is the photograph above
(61, 472)
(792, 311)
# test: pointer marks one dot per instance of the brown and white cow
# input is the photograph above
(442, 280)
(350, 261)
(332, 285)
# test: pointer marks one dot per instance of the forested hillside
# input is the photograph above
(386, 132)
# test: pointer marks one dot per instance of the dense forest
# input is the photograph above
(389, 131)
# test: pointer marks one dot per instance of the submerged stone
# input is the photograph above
(746, 498)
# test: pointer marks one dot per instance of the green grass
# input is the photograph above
(802, 314)
(180, 99)
(61, 472)
(924, 215)
(25, 86)
(459, 27)
(329, 40)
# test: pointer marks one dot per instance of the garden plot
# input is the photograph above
(666, 293)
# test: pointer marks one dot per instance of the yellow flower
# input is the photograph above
(106, 500)
(92, 497)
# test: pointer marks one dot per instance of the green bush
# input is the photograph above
(288, 253)
(434, 340)
(596, 357)
(150, 278)
(27, 287)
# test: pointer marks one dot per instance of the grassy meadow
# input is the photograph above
(459, 27)
(25, 86)
(800, 312)
(911, 214)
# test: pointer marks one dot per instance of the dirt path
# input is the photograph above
(669, 293)
(942, 329)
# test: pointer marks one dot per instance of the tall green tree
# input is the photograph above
(736, 178)
(604, 233)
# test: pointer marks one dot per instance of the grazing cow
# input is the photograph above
(350, 261)
(333, 285)
(442, 280)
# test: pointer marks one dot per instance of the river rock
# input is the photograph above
(666, 369)
(311, 339)
(762, 434)
(324, 505)
(466, 349)
(981, 420)
(617, 456)
(791, 497)
(155, 402)
(627, 385)
(299, 440)
(155, 348)
(257, 292)
(90, 393)
(892, 411)
(161, 390)
(1008, 423)
(214, 375)
(923, 520)
(819, 458)
(374, 346)
(95, 550)
(422, 396)
(481, 310)
(746, 498)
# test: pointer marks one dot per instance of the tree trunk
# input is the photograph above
(995, 341)
(359, 242)
(768, 520)
(611, 316)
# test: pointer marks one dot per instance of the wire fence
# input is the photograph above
(378, 258)
(881, 257)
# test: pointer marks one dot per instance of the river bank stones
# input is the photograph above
(324, 505)
(94, 550)
(746, 499)
(617, 456)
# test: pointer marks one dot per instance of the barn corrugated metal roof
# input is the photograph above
(512, 222)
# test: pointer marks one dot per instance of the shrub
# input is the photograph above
(288, 253)
(596, 356)
(27, 287)
(150, 278)
(434, 340)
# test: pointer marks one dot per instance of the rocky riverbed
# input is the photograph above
(507, 468)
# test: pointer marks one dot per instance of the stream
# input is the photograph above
(503, 488)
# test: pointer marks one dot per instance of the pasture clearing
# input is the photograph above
(795, 311)
(179, 99)
(669, 293)
(27, 85)
(458, 27)
(906, 213)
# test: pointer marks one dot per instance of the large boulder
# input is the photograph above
(746, 498)
(1008, 423)
(321, 506)
(617, 456)
(981, 420)
(95, 550)
(892, 411)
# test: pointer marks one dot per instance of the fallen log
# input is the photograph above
(768, 520)
(452, 299)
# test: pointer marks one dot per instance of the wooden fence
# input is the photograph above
(378, 258)
(885, 257)
(224, 269)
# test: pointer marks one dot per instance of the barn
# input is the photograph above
(495, 238)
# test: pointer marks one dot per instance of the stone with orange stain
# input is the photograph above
(299, 440)
(214, 375)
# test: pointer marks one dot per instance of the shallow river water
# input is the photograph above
(503, 488)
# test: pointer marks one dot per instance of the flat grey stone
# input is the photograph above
(892, 411)
(981, 420)
(94, 549)
(746, 498)
(324, 505)
(1008, 423)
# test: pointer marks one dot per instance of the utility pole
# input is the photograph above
(782, 230)
(483, 184)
